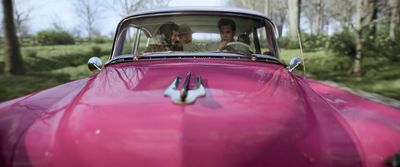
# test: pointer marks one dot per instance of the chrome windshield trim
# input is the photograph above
(198, 9)
(194, 55)
(227, 11)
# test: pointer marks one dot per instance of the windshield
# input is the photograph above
(195, 33)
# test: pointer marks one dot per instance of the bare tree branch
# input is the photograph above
(21, 17)
(89, 13)
(126, 7)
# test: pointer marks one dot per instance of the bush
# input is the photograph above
(382, 48)
(342, 44)
(30, 53)
(96, 51)
(311, 42)
(54, 37)
(285, 42)
(99, 40)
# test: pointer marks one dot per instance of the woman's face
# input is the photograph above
(174, 37)
(185, 38)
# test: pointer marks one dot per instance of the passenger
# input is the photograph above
(185, 36)
(227, 30)
(166, 38)
(185, 40)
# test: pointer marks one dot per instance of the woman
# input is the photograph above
(166, 38)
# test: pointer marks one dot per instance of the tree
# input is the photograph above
(12, 57)
(21, 19)
(277, 11)
(394, 18)
(156, 3)
(294, 18)
(365, 18)
(126, 7)
(88, 11)
(314, 11)
(342, 11)
(250, 4)
(1, 23)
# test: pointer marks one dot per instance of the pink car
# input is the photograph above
(181, 89)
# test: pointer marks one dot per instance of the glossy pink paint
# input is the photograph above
(254, 114)
(375, 127)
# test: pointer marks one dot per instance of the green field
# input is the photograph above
(48, 66)
(381, 76)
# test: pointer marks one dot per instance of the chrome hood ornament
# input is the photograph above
(184, 95)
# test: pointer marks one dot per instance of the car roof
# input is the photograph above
(199, 9)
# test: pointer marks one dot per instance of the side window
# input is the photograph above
(135, 41)
(259, 41)
(143, 41)
(262, 36)
(129, 41)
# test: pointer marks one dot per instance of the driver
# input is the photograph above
(227, 30)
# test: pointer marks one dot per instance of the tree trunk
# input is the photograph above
(358, 35)
(294, 18)
(267, 12)
(267, 8)
(394, 18)
(280, 29)
(358, 58)
(12, 57)
(318, 17)
(374, 26)
(365, 16)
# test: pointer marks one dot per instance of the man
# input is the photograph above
(227, 30)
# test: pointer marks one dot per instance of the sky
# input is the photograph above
(46, 13)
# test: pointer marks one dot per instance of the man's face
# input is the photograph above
(226, 33)
(174, 37)
(185, 38)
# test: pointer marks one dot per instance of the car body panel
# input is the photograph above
(19, 115)
(376, 126)
(234, 125)
(254, 113)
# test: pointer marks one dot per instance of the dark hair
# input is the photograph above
(166, 30)
(245, 38)
(227, 22)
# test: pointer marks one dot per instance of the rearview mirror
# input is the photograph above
(95, 63)
(294, 63)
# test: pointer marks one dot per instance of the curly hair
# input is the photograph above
(166, 31)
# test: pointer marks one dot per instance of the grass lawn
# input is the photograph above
(49, 66)
(380, 76)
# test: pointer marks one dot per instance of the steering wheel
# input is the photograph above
(231, 46)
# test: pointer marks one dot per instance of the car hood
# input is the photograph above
(253, 114)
